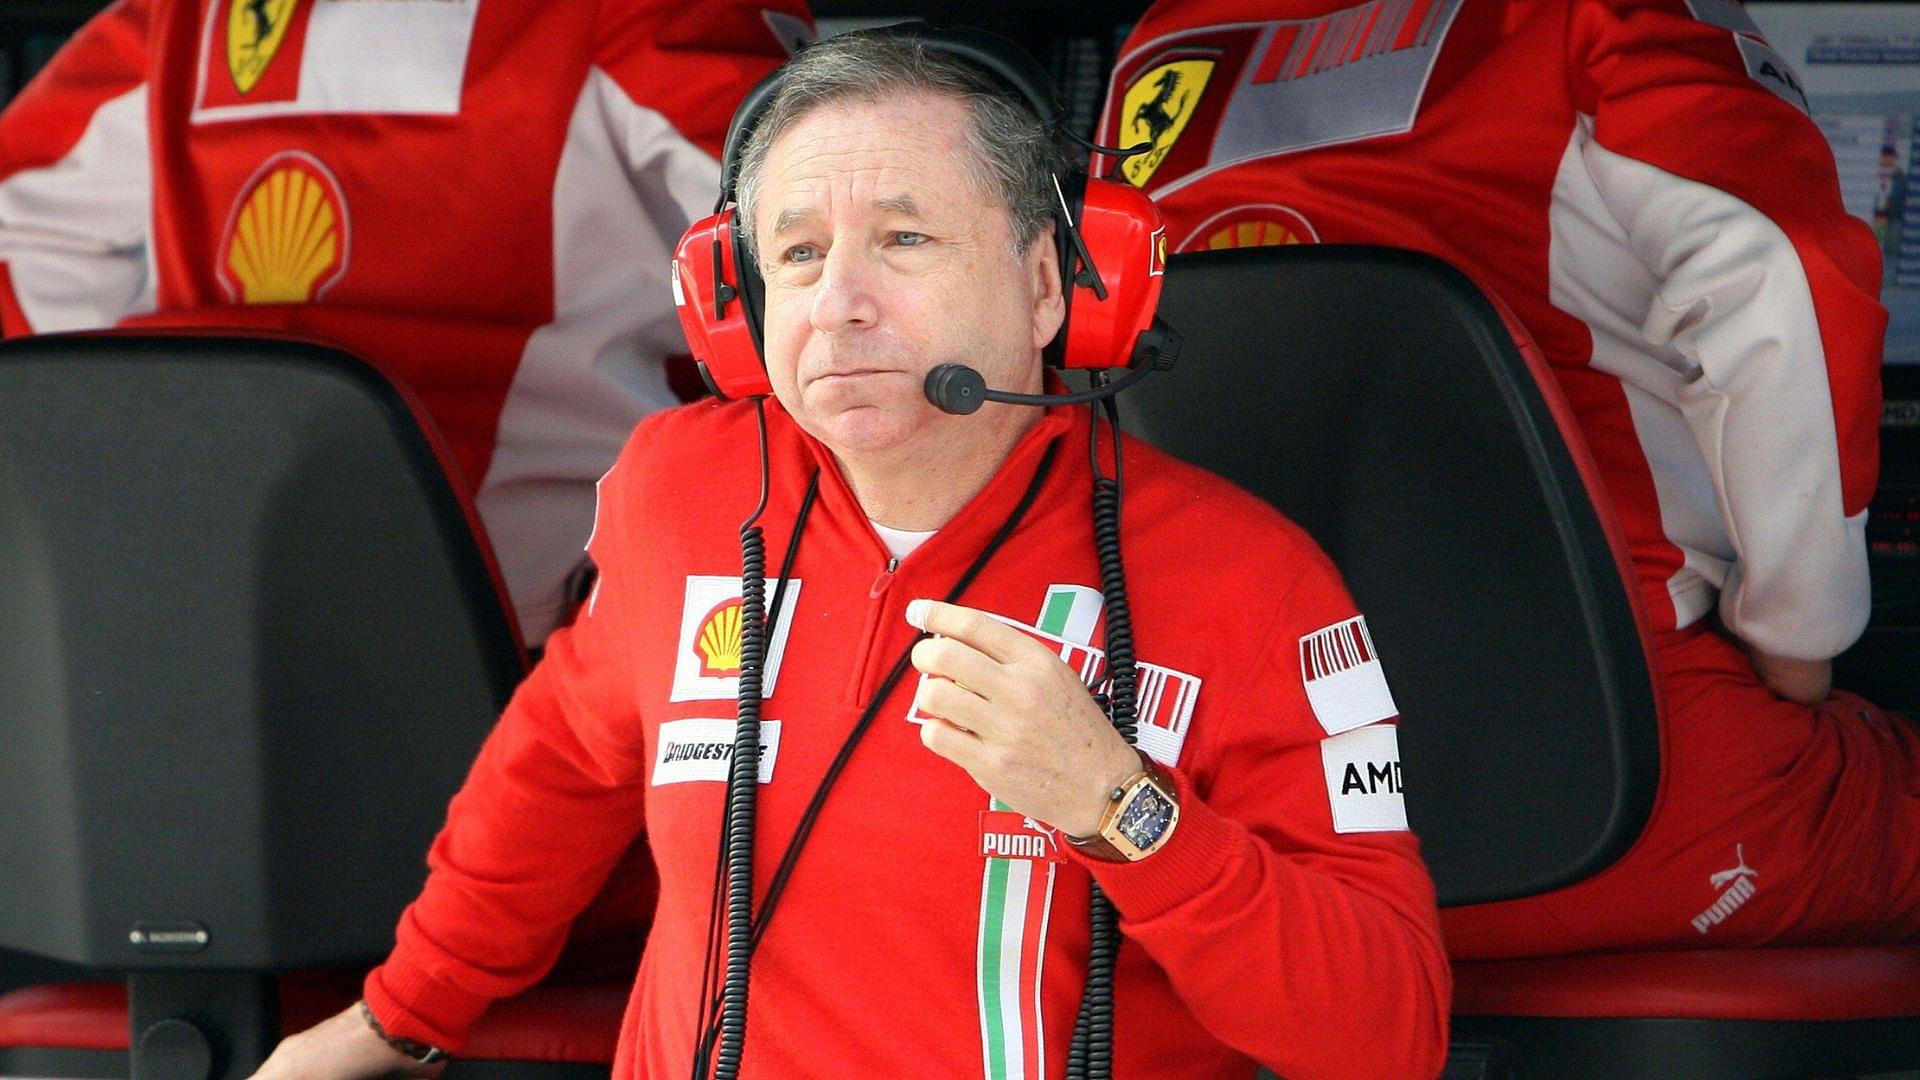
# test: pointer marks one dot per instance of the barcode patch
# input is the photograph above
(1164, 700)
(1345, 683)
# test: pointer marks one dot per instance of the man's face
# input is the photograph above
(882, 259)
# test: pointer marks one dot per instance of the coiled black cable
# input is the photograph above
(713, 962)
(743, 786)
(741, 946)
(1090, 1055)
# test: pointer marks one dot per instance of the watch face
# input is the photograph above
(1146, 818)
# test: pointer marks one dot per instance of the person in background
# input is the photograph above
(1639, 182)
(480, 199)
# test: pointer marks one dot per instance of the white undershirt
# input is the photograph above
(900, 543)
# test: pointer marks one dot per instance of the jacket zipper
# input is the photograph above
(877, 592)
(881, 583)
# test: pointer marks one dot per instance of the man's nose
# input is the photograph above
(845, 295)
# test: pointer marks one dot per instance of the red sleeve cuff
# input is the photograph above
(1198, 853)
(411, 1004)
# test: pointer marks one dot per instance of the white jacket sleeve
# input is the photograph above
(1764, 304)
(75, 184)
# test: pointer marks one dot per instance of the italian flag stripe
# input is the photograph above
(1016, 901)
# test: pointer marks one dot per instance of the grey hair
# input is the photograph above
(1015, 155)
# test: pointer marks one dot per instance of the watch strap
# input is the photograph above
(418, 1051)
(1099, 845)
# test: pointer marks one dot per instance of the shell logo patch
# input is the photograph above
(255, 30)
(1156, 110)
(706, 665)
(1257, 225)
(719, 640)
(287, 236)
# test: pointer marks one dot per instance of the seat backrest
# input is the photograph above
(251, 645)
(1377, 399)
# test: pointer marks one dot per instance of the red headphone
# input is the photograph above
(1112, 245)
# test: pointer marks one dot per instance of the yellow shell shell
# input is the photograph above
(1252, 234)
(286, 236)
(719, 642)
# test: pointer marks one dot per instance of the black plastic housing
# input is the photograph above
(251, 645)
(1377, 399)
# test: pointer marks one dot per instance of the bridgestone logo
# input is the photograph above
(699, 751)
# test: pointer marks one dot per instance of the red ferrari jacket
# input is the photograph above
(1639, 181)
(481, 199)
(1288, 921)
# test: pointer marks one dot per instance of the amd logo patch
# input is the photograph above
(1364, 784)
(1771, 70)
(1382, 776)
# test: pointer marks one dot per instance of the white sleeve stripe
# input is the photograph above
(74, 234)
(626, 185)
(1700, 302)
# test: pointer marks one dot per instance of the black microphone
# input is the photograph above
(959, 389)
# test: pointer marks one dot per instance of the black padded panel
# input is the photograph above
(1376, 398)
(1555, 1048)
(251, 649)
(1885, 664)
(36, 1061)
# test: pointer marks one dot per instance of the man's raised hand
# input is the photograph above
(1005, 708)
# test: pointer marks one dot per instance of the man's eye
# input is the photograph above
(909, 239)
(802, 253)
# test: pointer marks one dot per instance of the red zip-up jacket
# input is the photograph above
(1288, 921)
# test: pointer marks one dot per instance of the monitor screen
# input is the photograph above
(1859, 67)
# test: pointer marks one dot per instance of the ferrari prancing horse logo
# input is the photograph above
(1156, 110)
(255, 29)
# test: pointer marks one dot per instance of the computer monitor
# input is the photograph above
(1858, 68)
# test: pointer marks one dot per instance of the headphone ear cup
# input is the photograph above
(716, 313)
(1126, 239)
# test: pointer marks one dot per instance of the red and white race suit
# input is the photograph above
(480, 199)
(1639, 182)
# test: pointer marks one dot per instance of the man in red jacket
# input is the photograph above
(1273, 905)
(1639, 182)
(480, 199)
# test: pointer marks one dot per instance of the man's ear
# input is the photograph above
(1044, 284)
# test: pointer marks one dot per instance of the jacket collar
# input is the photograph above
(984, 514)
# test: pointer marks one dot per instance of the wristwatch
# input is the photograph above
(419, 1052)
(1140, 815)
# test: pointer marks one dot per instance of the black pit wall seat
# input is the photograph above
(251, 646)
(1377, 398)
